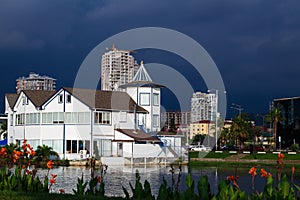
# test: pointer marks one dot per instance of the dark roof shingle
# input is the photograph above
(38, 97)
(138, 135)
(110, 100)
(12, 99)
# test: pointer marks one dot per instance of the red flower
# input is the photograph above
(52, 181)
(280, 156)
(99, 178)
(54, 175)
(62, 191)
(252, 171)
(50, 164)
(234, 180)
(293, 170)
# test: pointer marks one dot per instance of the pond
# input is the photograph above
(116, 177)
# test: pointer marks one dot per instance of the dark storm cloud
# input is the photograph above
(254, 43)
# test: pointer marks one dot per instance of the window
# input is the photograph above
(25, 100)
(75, 117)
(144, 99)
(74, 146)
(60, 98)
(32, 118)
(58, 118)
(20, 119)
(156, 99)
(102, 117)
(68, 98)
(68, 118)
(47, 118)
(156, 120)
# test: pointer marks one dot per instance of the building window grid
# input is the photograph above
(102, 117)
(53, 118)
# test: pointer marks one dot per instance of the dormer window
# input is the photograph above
(60, 98)
(68, 98)
(25, 100)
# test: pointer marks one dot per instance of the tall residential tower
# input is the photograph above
(203, 106)
(118, 67)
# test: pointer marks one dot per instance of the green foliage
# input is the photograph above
(21, 182)
(204, 188)
(80, 187)
(295, 147)
(138, 192)
(44, 152)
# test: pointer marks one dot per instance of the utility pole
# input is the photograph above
(237, 107)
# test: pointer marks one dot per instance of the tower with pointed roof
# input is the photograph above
(146, 94)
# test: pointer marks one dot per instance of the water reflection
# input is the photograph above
(116, 177)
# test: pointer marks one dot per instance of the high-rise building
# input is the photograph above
(118, 67)
(35, 82)
(203, 107)
(288, 125)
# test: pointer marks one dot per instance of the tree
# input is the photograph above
(199, 138)
(274, 117)
(44, 152)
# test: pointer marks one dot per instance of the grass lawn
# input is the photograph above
(209, 155)
(270, 156)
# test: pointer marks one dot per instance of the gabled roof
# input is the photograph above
(138, 135)
(109, 100)
(38, 97)
(12, 99)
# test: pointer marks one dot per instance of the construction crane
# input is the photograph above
(113, 48)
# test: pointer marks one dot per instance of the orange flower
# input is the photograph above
(280, 156)
(18, 153)
(293, 169)
(3, 151)
(50, 164)
(252, 171)
(264, 173)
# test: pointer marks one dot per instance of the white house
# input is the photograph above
(80, 122)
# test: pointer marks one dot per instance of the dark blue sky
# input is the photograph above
(254, 43)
